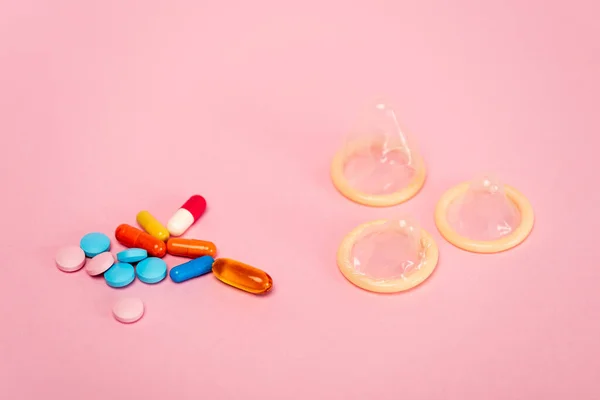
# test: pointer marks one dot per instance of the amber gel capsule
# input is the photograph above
(242, 276)
(191, 248)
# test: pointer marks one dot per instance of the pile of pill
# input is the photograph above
(143, 257)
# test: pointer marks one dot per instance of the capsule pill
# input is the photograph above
(191, 269)
(242, 276)
(152, 226)
(130, 236)
(189, 213)
(191, 248)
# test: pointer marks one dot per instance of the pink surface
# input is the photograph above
(108, 108)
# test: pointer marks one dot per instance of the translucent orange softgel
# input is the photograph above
(484, 216)
(378, 164)
(387, 256)
(242, 276)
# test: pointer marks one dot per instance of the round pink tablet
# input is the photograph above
(70, 258)
(128, 310)
(100, 264)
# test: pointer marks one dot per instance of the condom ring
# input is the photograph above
(375, 200)
(511, 236)
(378, 165)
(409, 275)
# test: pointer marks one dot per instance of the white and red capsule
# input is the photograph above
(186, 215)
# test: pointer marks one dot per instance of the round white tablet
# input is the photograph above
(100, 264)
(70, 258)
(128, 310)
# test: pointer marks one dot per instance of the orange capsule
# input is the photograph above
(242, 276)
(129, 236)
(191, 248)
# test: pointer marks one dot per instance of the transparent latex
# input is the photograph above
(379, 158)
(484, 212)
(389, 251)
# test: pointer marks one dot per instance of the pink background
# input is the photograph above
(107, 108)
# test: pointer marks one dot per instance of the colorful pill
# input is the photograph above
(132, 255)
(186, 215)
(151, 270)
(191, 248)
(191, 269)
(70, 259)
(119, 275)
(152, 226)
(129, 236)
(94, 243)
(128, 310)
(100, 264)
(242, 276)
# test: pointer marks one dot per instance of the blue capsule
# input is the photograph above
(192, 269)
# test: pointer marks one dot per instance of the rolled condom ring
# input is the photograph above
(378, 165)
(484, 216)
(387, 256)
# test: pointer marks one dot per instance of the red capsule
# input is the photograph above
(129, 236)
(189, 213)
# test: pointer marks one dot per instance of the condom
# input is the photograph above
(484, 216)
(378, 165)
(387, 256)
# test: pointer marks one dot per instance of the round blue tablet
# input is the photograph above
(94, 243)
(151, 270)
(132, 255)
(119, 275)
